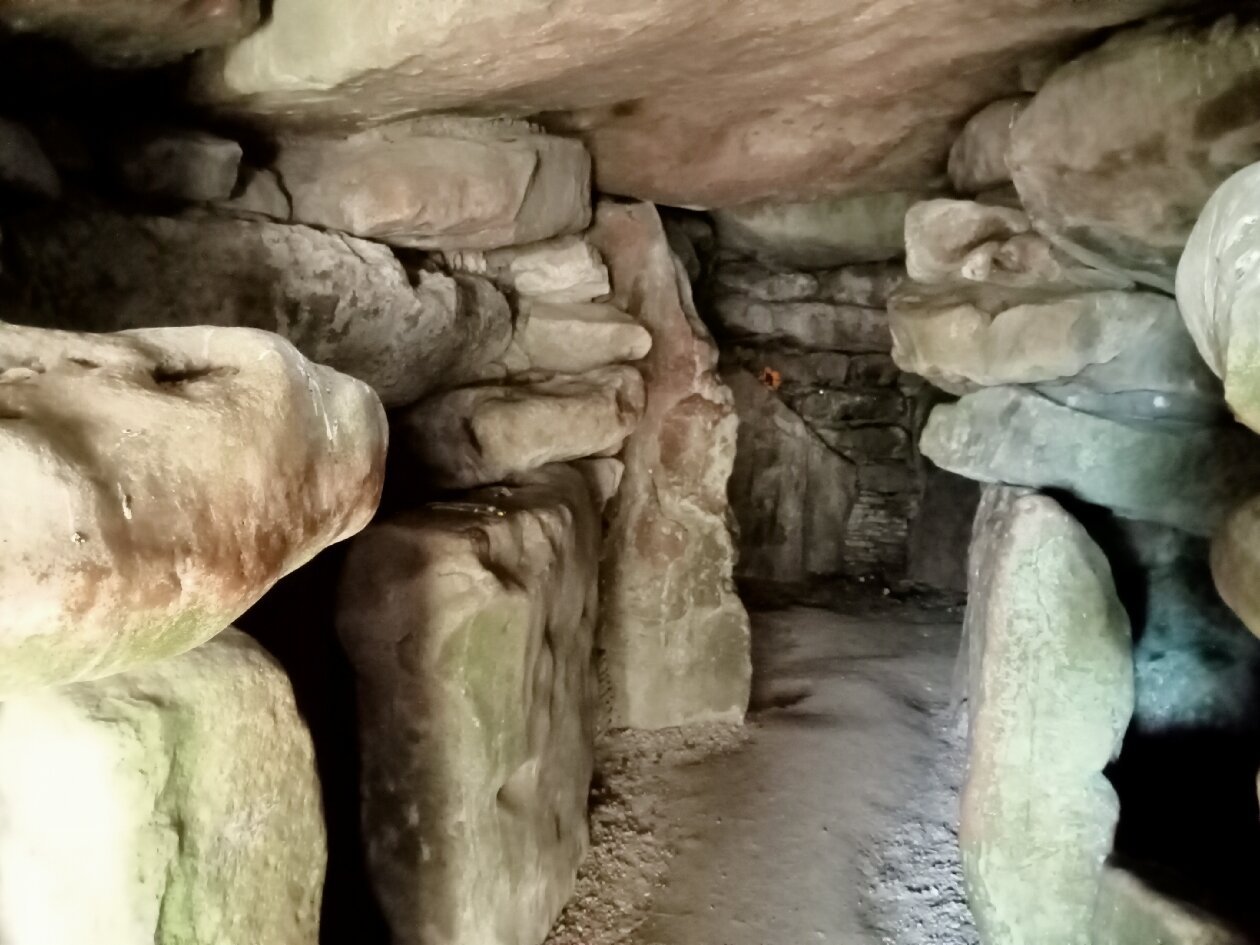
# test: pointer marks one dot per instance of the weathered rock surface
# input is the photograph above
(1106, 342)
(674, 636)
(866, 285)
(572, 339)
(342, 301)
(682, 103)
(194, 166)
(822, 234)
(1186, 475)
(443, 183)
(470, 626)
(941, 528)
(23, 164)
(1131, 912)
(1118, 153)
(1051, 693)
(158, 482)
(134, 32)
(791, 495)
(817, 326)
(1236, 563)
(962, 242)
(1218, 289)
(563, 270)
(480, 435)
(176, 804)
(977, 161)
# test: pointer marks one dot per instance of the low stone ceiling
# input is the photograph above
(701, 103)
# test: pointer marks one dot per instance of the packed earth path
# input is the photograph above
(831, 817)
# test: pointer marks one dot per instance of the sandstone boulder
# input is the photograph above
(674, 635)
(683, 103)
(815, 326)
(1218, 289)
(977, 161)
(475, 436)
(134, 32)
(1050, 696)
(1118, 153)
(563, 270)
(1106, 342)
(440, 183)
(822, 234)
(176, 804)
(574, 338)
(470, 626)
(791, 495)
(342, 301)
(1132, 912)
(1186, 475)
(158, 482)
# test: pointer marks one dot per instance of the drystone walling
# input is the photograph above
(362, 460)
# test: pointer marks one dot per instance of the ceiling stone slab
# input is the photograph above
(685, 102)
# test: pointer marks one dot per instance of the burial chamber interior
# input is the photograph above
(437, 446)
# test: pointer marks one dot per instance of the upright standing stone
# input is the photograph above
(173, 805)
(470, 627)
(674, 638)
(1051, 694)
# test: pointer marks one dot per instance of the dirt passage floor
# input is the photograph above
(829, 818)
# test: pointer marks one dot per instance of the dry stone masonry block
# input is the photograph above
(440, 183)
(1051, 694)
(977, 161)
(342, 301)
(674, 637)
(563, 270)
(480, 435)
(176, 804)
(574, 338)
(158, 482)
(470, 626)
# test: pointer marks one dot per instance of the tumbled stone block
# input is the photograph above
(1120, 150)
(470, 627)
(478, 435)
(23, 164)
(791, 495)
(815, 326)
(441, 183)
(1218, 289)
(342, 301)
(1236, 562)
(977, 161)
(563, 270)
(574, 338)
(194, 166)
(1177, 473)
(1132, 912)
(176, 804)
(1050, 697)
(674, 633)
(158, 482)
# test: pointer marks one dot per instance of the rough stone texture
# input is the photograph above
(260, 195)
(962, 242)
(134, 32)
(940, 530)
(674, 636)
(342, 301)
(23, 164)
(822, 234)
(977, 161)
(1051, 693)
(470, 627)
(442, 183)
(162, 481)
(578, 337)
(866, 285)
(791, 495)
(1236, 563)
(563, 270)
(194, 166)
(682, 103)
(1120, 150)
(1106, 342)
(479, 435)
(176, 804)
(809, 325)
(1218, 289)
(1130, 912)
(1182, 474)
